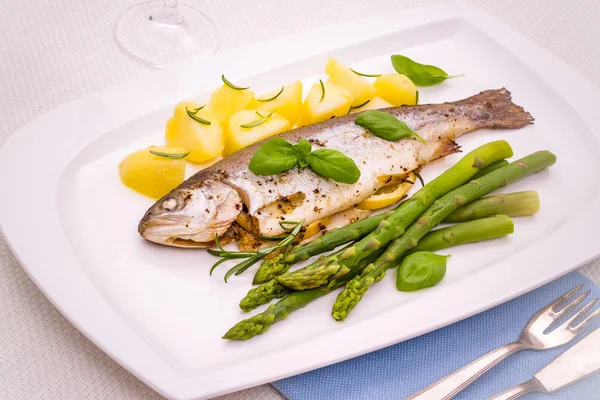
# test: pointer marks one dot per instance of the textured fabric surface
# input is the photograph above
(400, 370)
(55, 51)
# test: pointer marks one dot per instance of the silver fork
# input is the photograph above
(533, 337)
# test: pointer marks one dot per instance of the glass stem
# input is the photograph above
(167, 14)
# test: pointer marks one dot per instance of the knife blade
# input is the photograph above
(574, 364)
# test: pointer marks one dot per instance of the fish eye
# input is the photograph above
(169, 205)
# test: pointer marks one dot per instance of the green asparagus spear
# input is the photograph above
(259, 323)
(489, 168)
(518, 204)
(335, 266)
(336, 237)
(466, 232)
(263, 294)
(439, 210)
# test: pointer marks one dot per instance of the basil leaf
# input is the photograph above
(303, 150)
(334, 165)
(385, 125)
(273, 157)
(173, 156)
(421, 270)
(417, 99)
(420, 74)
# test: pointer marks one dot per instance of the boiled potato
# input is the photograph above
(240, 137)
(288, 104)
(396, 89)
(335, 103)
(151, 175)
(341, 75)
(204, 142)
(375, 104)
(225, 101)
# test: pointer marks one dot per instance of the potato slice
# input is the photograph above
(240, 137)
(204, 142)
(317, 108)
(341, 75)
(225, 101)
(375, 104)
(396, 89)
(288, 104)
(151, 175)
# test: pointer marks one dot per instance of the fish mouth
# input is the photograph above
(192, 216)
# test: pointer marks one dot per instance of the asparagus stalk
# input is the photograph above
(259, 323)
(439, 210)
(279, 264)
(516, 204)
(337, 265)
(492, 167)
(467, 232)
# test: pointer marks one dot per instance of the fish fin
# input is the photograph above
(505, 114)
(445, 148)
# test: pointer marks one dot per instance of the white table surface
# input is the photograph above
(52, 52)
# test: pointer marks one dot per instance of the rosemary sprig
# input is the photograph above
(358, 106)
(231, 85)
(173, 156)
(253, 257)
(367, 75)
(322, 90)
(272, 98)
(192, 115)
(258, 121)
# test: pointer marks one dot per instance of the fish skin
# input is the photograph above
(438, 124)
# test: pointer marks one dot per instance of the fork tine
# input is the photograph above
(564, 297)
(582, 325)
(571, 305)
(569, 323)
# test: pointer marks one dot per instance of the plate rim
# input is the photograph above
(153, 370)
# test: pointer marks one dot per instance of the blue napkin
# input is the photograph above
(400, 370)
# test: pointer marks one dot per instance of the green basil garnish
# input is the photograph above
(322, 90)
(417, 99)
(272, 98)
(192, 115)
(303, 148)
(173, 156)
(334, 165)
(385, 125)
(421, 270)
(278, 155)
(367, 75)
(231, 85)
(273, 157)
(258, 121)
(420, 74)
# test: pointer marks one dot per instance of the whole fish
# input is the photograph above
(208, 203)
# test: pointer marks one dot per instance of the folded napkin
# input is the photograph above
(400, 370)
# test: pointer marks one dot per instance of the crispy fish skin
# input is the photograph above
(300, 193)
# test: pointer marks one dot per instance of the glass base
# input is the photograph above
(161, 36)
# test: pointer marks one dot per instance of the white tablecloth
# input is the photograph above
(53, 51)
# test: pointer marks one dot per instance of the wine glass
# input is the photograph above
(164, 33)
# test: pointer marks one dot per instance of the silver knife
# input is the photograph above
(574, 364)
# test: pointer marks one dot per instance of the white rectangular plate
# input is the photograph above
(155, 310)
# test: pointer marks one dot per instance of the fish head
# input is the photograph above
(192, 214)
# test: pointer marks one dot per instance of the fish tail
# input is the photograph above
(446, 148)
(505, 114)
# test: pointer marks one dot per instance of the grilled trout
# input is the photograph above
(208, 203)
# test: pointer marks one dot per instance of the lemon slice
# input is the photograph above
(388, 195)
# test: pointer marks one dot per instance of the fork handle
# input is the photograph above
(449, 386)
(515, 392)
